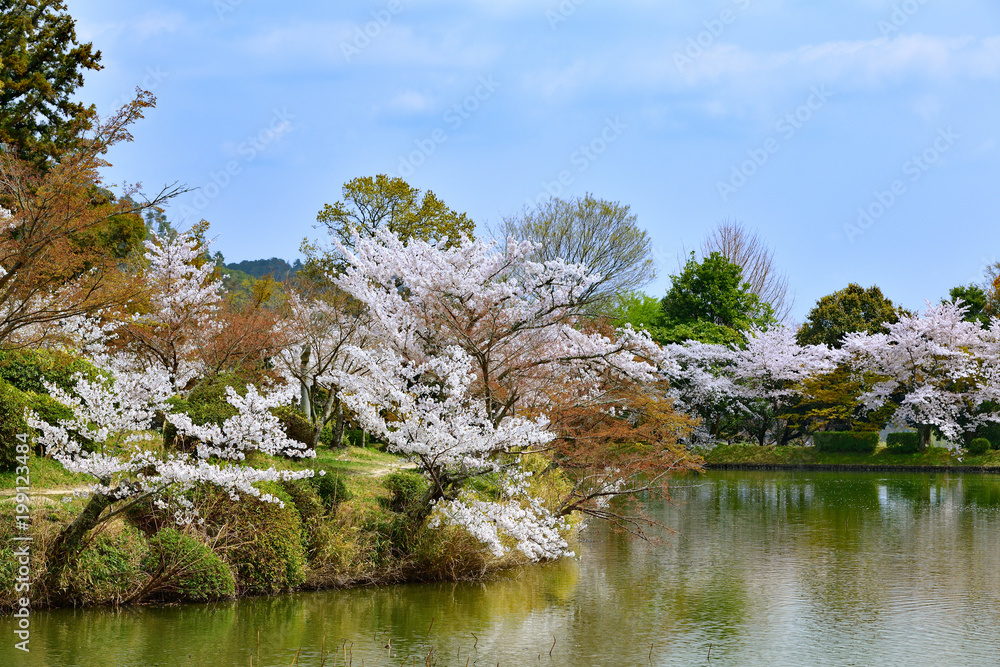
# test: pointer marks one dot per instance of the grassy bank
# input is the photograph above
(354, 525)
(755, 455)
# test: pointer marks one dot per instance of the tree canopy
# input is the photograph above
(600, 234)
(380, 202)
(975, 299)
(41, 66)
(710, 301)
(852, 309)
(747, 249)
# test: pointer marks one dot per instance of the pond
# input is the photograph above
(776, 568)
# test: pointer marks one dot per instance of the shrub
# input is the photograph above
(206, 404)
(331, 489)
(264, 540)
(861, 442)
(903, 443)
(977, 446)
(184, 568)
(991, 432)
(295, 424)
(12, 424)
(405, 490)
(109, 569)
(27, 369)
(51, 411)
(311, 512)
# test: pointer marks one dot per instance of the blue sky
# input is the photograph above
(858, 137)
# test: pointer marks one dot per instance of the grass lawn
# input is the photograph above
(756, 455)
(45, 474)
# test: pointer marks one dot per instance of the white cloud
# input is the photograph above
(729, 71)
(411, 102)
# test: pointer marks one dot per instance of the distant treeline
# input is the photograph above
(277, 268)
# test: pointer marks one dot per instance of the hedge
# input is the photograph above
(861, 442)
(978, 446)
(12, 424)
(907, 442)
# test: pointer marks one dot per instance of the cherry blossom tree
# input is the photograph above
(469, 342)
(938, 367)
(320, 327)
(744, 388)
(184, 298)
(109, 438)
(770, 371)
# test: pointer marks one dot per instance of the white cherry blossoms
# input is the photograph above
(108, 437)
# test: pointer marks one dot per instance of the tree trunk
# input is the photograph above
(925, 436)
(338, 426)
(304, 390)
(70, 539)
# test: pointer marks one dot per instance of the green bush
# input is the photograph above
(12, 424)
(264, 544)
(311, 511)
(405, 490)
(860, 442)
(206, 404)
(189, 569)
(903, 443)
(991, 432)
(109, 569)
(51, 411)
(977, 446)
(331, 489)
(295, 424)
(26, 369)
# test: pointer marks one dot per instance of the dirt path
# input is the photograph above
(382, 472)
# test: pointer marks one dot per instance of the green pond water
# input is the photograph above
(764, 568)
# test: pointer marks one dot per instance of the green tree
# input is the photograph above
(975, 298)
(849, 310)
(640, 310)
(709, 301)
(600, 234)
(829, 402)
(743, 247)
(41, 66)
(373, 203)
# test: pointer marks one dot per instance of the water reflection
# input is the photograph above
(763, 567)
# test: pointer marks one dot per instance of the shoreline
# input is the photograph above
(852, 467)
